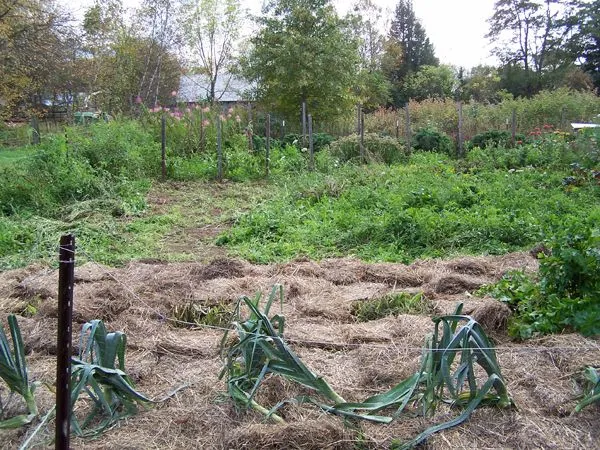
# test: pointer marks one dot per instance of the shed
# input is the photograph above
(229, 89)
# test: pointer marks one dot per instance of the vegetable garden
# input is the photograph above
(345, 354)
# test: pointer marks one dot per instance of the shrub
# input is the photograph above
(565, 294)
(495, 138)
(430, 140)
(320, 140)
(377, 149)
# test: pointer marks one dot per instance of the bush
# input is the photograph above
(320, 140)
(377, 149)
(495, 138)
(565, 295)
(430, 140)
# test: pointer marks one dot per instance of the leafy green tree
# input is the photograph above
(304, 52)
(31, 50)
(373, 88)
(482, 84)
(528, 36)
(584, 43)
(408, 35)
(432, 82)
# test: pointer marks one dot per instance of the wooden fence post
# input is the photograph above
(304, 123)
(268, 144)
(362, 136)
(250, 129)
(513, 128)
(310, 143)
(35, 135)
(66, 281)
(163, 146)
(460, 130)
(219, 151)
(408, 131)
(397, 128)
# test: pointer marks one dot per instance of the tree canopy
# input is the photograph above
(304, 52)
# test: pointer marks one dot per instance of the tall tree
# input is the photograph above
(408, 35)
(212, 28)
(373, 88)
(528, 33)
(304, 52)
(157, 25)
(432, 82)
(31, 49)
(584, 43)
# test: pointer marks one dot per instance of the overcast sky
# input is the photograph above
(455, 27)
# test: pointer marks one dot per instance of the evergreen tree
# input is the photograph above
(407, 35)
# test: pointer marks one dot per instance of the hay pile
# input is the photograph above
(357, 359)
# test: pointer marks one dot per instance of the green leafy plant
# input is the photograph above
(431, 140)
(591, 388)
(495, 138)
(99, 372)
(566, 291)
(447, 371)
(377, 148)
(13, 370)
(391, 304)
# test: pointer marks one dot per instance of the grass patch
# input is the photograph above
(391, 305)
(9, 156)
(194, 314)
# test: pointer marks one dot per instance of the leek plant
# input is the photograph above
(13, 370)
(447, 372)
(591, 390)
(99, 371)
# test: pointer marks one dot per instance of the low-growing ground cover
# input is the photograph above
(429, 207)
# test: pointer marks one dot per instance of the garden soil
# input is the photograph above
(359, 359)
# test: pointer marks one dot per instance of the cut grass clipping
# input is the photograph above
(95, 372)
(447, 372)
(391, 304)
(13, 370)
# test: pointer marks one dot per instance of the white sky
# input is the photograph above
(455, 27)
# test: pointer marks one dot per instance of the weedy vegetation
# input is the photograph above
(391, 304)
(564, 294)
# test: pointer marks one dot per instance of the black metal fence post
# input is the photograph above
(66, 280)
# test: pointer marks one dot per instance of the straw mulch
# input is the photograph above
(357, 359)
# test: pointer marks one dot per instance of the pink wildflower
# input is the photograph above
(205, 123)
(238, 119)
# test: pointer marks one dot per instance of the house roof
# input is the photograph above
(228, 88)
